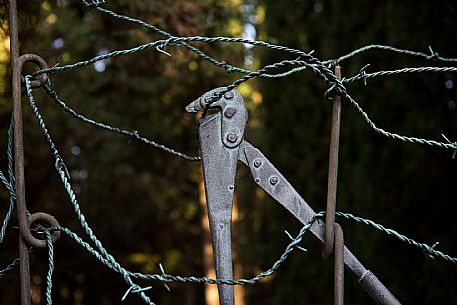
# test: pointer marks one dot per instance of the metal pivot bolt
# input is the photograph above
(229, 95)
(273, 180)
(232, 137)
(257, 162)
(229, 112)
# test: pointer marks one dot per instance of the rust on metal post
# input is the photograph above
(24, 221)
(339, 266)
(329, 235)
(18, 149)
(26, 238)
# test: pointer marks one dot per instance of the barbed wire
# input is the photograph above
(103, 256)
(304, 61)
(9, 267)
(132, 134)
(432, 56)
(8, 183)
(65, 179)
(168, 278)
(426, 248)
(362, 75)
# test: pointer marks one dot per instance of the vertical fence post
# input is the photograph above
(329, 235)
(18, 148)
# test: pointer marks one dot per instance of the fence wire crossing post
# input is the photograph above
(329, 235)
(333, 233)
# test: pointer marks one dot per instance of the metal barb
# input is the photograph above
(162, 51)
(164, 275)
(433, 54)
(363, 73)
(452, 143)
(430, 255)
(134, 289)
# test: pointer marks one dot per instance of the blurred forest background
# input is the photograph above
(145, 205)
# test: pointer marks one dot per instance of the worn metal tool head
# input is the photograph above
(213, 95)
(230, 107)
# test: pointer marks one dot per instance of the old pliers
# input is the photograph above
(222, 144)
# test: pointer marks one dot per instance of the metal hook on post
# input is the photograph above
(26, 238)
(24, 221)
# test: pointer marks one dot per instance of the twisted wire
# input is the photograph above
(192, 279)
(132, 134)
(64, 177)
(166, 278)
(222, 64)
(363, 75)
(424, 247)
(8, 183)
(50, 267)
(10, 267)
(311, 62)
(172, 42)
(433, 55)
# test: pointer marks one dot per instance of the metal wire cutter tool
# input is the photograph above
(222, 145)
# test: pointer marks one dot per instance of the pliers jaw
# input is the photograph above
(231, 110)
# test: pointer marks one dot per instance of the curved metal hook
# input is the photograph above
(24, 221)
(40, 79)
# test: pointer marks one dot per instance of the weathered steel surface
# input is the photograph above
(218, 163)
(219, 141)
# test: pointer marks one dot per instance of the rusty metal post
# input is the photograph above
(329, 235)
(18, 149)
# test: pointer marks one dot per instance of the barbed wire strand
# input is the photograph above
(9, 183)
(230, 68)
(63, 174)
(173, 41)
(317, 67)
(364, 76)
(50, 267)
(132, 134)
(10, 267)
(163, 277)
(426, 248)
(198, 52)
(433, 55)
(111, 261)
